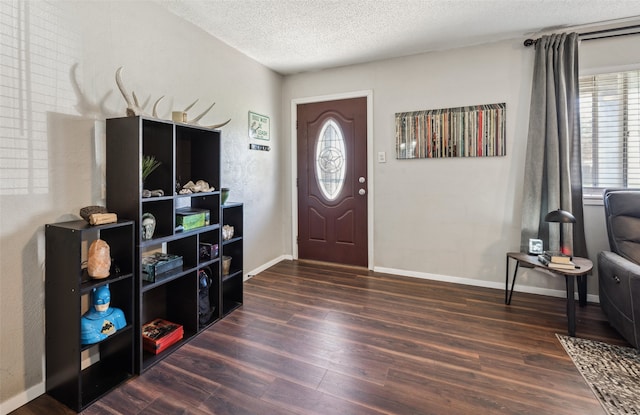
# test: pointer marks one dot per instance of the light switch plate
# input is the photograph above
(382, 157)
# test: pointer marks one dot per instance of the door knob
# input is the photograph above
(362, 192)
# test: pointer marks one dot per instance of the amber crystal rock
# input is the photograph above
(99, 261)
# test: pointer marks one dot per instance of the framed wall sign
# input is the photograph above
(259, 126)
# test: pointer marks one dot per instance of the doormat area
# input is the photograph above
(612, 372)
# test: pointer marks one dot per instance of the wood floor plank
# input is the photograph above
(388, 338)
(233, 402)
(202, 360)
(382, 398)
(307, 401)
(316, 339)
(268, 361)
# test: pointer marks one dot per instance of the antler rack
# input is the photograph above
(134, 108)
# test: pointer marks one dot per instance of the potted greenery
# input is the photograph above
(149, 164)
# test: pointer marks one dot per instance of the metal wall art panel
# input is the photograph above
(475, 131)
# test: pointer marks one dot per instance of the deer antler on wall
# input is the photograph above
(199, 117)
(134, 108)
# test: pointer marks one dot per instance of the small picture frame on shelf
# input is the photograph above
(535, 246)
(208, 251)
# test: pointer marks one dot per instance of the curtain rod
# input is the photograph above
(598, 34)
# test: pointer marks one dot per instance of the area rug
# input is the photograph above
(612, 372)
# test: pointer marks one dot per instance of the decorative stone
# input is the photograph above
(148, 226)
(87, 211)
(102, 218)
(227, 232)
(203, 186)
(197, 187)
(99, 262)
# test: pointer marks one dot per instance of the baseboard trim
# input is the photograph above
(480, 283)
(22, 398)
(267, 265)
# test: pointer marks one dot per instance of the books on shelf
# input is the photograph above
(542, 258)
(159, 334)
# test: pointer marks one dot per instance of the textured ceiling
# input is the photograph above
(291, 36)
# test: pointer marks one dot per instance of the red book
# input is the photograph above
(159, 334)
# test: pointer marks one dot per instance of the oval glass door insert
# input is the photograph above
(330, 160)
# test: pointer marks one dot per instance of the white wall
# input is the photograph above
(454, 219)
(446, 217)
(52, 139)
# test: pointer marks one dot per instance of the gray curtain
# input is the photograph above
(553, 171)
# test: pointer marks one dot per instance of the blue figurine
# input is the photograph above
(100, 321)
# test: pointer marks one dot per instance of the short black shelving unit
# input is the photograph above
(78, 374)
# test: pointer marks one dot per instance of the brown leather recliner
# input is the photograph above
(619, 270)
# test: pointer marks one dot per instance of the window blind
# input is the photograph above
(610, 131)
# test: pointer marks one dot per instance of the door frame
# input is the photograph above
(294, 165)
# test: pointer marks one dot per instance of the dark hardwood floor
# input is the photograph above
(318, 339)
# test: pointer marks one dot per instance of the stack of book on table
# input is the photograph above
(556, 260)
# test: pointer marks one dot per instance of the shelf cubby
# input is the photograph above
(175, 301)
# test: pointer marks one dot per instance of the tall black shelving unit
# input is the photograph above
(185, 153)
